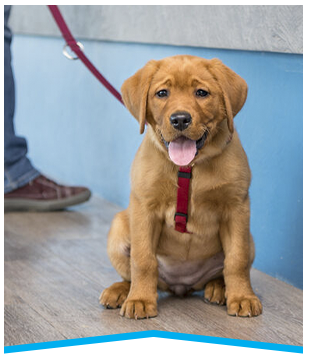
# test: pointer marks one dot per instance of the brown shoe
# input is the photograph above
(43, 194)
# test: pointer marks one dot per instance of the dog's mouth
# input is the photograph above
(183, 150)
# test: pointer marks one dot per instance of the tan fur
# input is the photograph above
(219, 210)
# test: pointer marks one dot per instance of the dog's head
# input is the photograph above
(184, 99)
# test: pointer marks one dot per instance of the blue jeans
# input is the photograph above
(18, 170)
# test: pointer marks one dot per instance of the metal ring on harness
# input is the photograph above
(67, 55)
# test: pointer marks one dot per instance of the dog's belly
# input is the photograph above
(183, 276)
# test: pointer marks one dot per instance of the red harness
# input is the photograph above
(181, 215)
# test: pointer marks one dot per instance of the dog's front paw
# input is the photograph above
(245, 306)
(139, 309)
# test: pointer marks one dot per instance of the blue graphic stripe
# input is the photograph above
(157, 334)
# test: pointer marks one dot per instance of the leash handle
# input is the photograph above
(70, 40)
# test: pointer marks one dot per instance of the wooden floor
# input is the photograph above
(56, 267)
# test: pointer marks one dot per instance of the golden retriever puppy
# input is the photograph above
(187, 226)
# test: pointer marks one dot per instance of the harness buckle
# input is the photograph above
(181, 214)
(184, 174)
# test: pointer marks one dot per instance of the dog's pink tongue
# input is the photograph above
(182, 151)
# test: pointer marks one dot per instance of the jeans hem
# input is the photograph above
(22, 181)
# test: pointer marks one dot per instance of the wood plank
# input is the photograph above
(24, 325)
(56, 266)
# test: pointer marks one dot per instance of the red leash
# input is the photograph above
(66, 33)
(184, 173)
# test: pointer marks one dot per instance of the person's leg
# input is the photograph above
(24, 187)
(18, 170)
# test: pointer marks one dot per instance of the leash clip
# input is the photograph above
(67, 55)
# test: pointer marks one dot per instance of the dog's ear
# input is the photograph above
(234, 89)
(135, 92)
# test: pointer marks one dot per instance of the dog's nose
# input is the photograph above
(180, 120)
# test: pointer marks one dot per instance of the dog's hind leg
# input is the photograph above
(119, 245)
(215, 291)
(118, 249)
(115, 295)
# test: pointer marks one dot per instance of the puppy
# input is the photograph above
(190, 159)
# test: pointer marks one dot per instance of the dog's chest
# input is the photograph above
(204, 212)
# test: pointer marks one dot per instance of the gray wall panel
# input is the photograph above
(260, 28)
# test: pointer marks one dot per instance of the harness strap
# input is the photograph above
(66, 33)
(181, 215)
(184, 177)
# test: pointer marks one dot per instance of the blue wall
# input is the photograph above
(80, 134)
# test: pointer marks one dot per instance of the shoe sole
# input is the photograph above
(45, 205)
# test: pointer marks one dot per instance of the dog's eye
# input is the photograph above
(201, 93)
(162, 93)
